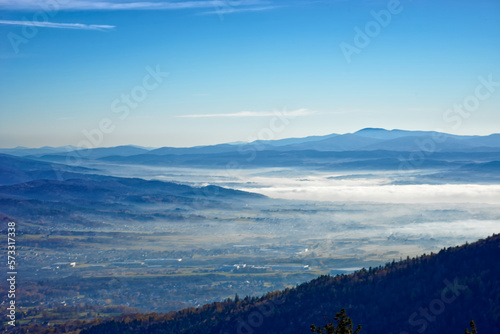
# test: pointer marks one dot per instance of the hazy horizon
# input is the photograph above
(249, 141)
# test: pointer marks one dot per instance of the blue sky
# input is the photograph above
(242, 70)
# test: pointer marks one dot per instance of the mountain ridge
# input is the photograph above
(331, 142)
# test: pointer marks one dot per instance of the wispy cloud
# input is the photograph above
(231, 10)
(294, 113)
(78, 26)
(137, 5)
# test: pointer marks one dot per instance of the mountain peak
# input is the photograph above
(371, 129)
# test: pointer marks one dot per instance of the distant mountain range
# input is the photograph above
(462, 157)
(93, 153)
(368, 139)
(431, 294)
(372, 139)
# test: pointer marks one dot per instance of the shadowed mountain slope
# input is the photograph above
(437, 293)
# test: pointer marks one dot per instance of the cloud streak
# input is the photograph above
(231, 10)
(218, 5)
(78, 26)
(294, 113)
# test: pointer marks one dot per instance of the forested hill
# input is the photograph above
(437, 293)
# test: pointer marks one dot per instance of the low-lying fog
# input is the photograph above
(350, 207)
(320, 222)
(299, 184)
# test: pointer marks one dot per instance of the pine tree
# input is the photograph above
(473, 329)
(344, 325)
